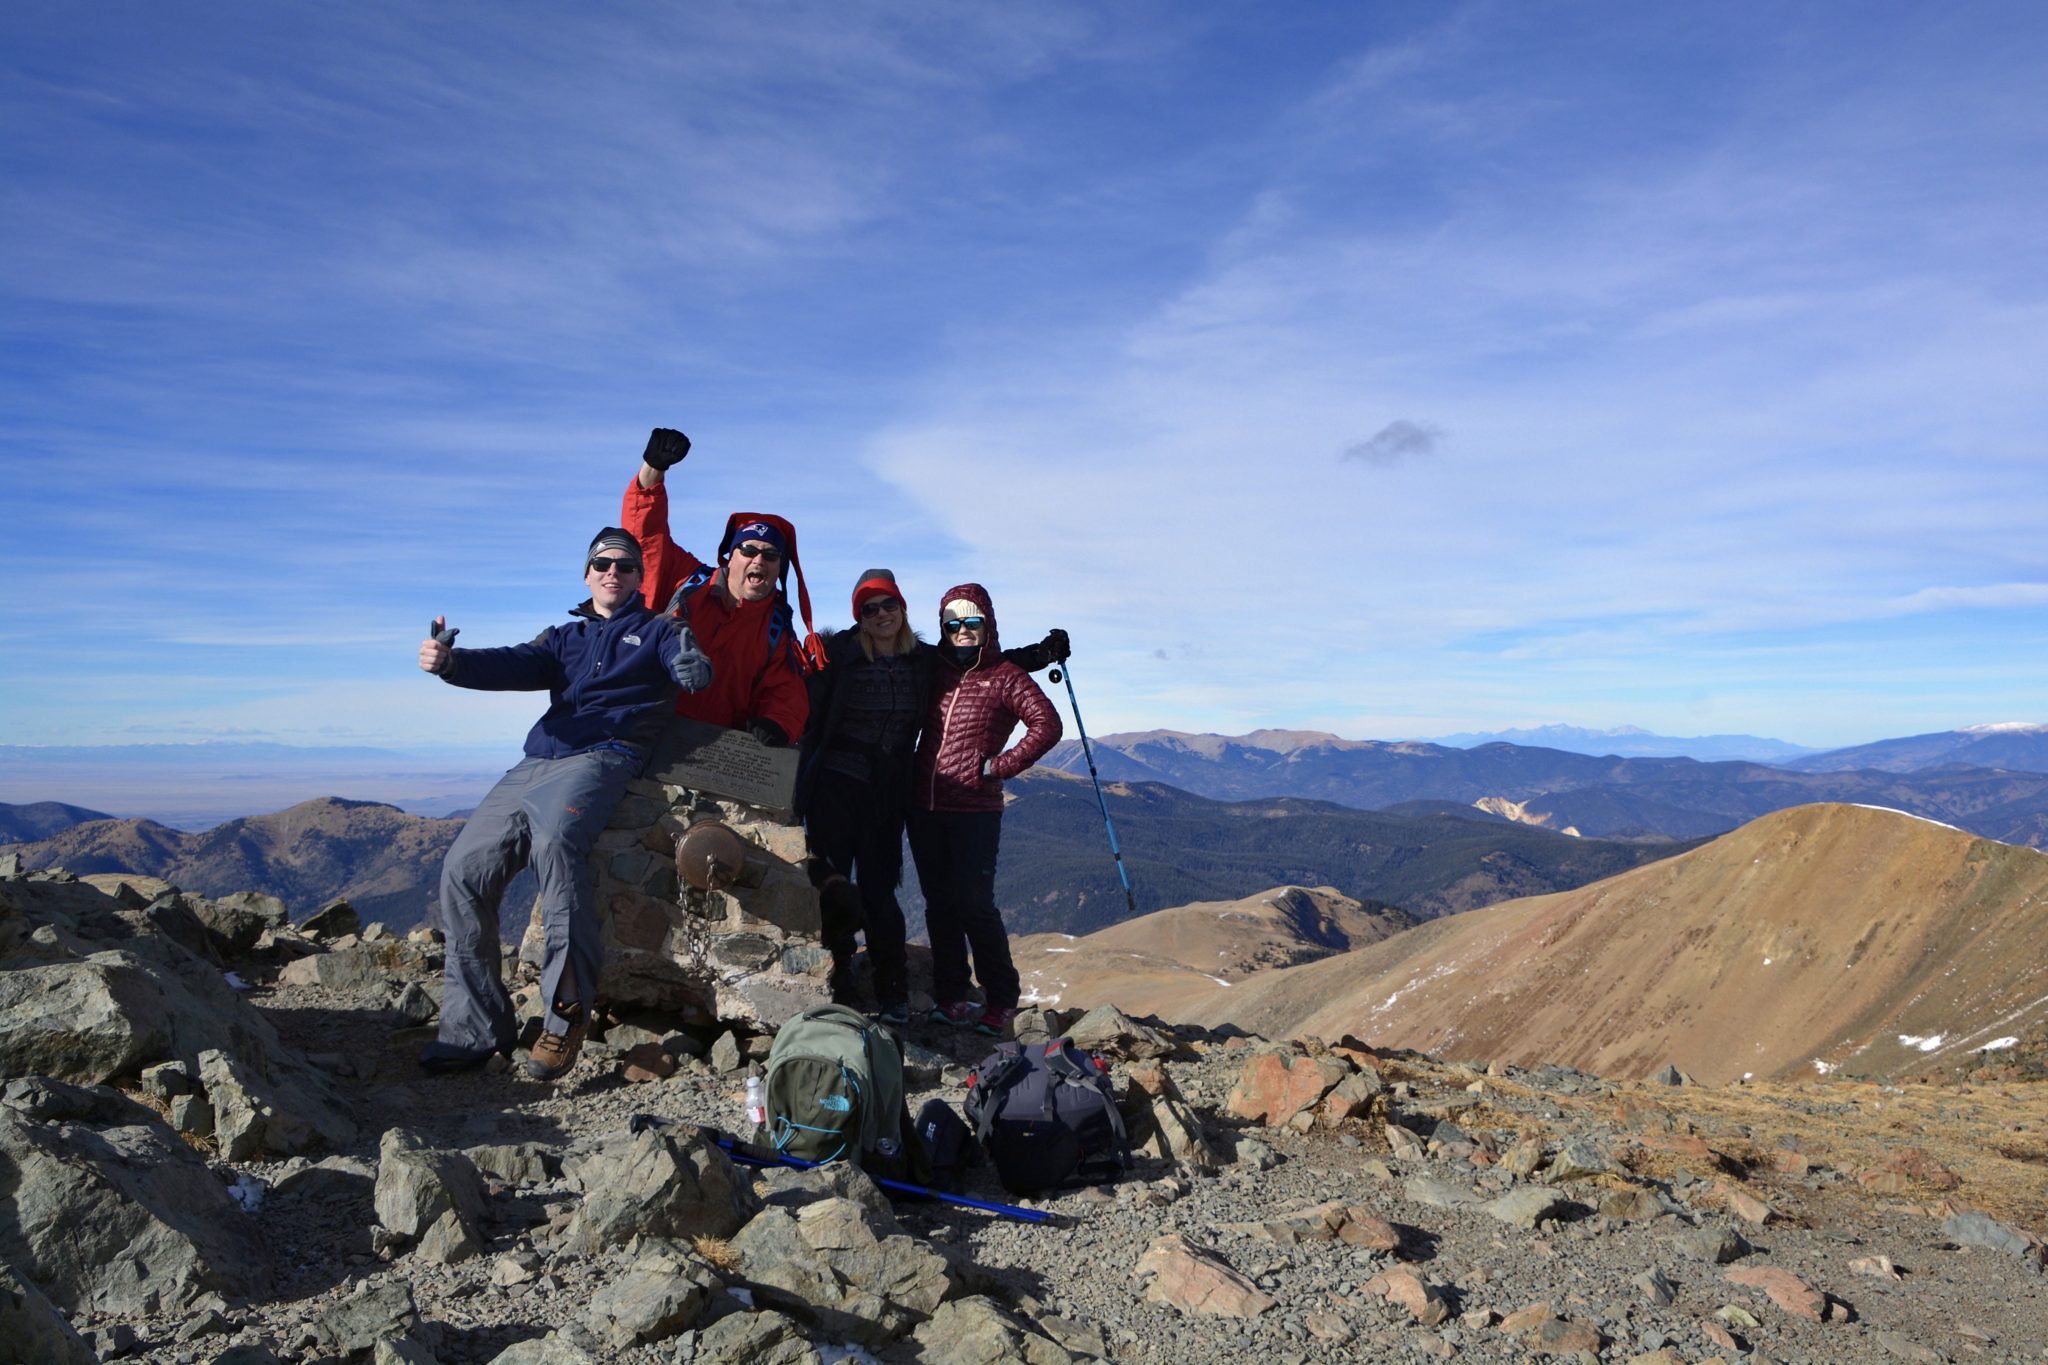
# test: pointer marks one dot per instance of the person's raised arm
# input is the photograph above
(1053, 649)
(437, 651)
(643, 511)
(687, 662)
(666, 448)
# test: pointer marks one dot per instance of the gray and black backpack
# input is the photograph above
(835, 1093)
(1046, 1115)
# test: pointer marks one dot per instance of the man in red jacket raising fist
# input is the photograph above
(738, 608)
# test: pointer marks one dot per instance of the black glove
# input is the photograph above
(768, 732)
(1055, 644)
(666, 448)
(1051, 650)
(441, 633)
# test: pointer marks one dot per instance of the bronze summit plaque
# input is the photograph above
(726, 763)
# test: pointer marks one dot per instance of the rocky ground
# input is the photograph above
(1298, 1201)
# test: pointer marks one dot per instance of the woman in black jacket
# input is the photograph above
(853, 785)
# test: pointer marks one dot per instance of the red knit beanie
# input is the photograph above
(875, 583)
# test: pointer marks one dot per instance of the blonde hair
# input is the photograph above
(905, 641)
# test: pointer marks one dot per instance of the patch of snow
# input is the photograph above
(235, 982)
(745, 1296)
(1894, 810)
(1767, 962)
(1927, 1044)
(1824, 1068)
(835, 1355)
(1059, 950)
(248, 1191)
(1219, 981)
(2004, 727)
(1999, 1044)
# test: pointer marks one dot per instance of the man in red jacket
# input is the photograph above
(738, 609)
(956, 805)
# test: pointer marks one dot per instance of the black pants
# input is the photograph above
(853, 826)
(956, 866)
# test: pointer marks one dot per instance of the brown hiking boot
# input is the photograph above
(554, 1053)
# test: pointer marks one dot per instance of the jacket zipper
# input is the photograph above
(946, 729)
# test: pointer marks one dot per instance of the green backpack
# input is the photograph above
(835, 1093)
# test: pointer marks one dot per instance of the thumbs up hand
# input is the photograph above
(436, 651)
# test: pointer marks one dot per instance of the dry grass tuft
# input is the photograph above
(718, 1252)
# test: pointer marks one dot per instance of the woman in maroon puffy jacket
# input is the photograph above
(956, 807)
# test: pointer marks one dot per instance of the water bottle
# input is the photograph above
(757, 1099)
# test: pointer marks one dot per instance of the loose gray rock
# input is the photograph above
(1525, 1206)
(653, 1186)
(976, 1331)
(763, 1338)
(1108, 1030)
(1715, 1243)
(826, 1262)
(1977, 1229)
(549, 1350)
(255, 1114)
(375, 1312)
(33, 1328)
(1441, 1194)
(659, 1295)
(429, 1196)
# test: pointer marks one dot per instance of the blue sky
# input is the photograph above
(1391, 369)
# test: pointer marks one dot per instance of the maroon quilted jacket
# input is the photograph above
(971, 715)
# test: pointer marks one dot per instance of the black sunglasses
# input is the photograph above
(880, 606)
(960, 623)
(622, 564)
(765, 551)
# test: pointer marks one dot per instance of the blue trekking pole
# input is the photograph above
(749, 1155)
(1065, 669)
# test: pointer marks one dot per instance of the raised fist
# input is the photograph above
(666, 448)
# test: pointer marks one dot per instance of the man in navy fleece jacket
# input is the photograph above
(611, 674)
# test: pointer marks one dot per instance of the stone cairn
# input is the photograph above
(746, 950)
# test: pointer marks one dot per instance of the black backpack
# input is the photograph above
(1046, 1115)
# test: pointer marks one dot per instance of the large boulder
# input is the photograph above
(82, 1021)
(113, 1212)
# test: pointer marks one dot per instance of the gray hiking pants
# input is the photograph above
(549, 812)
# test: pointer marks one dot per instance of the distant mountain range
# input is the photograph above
(41, 819)
(1629, 741)
(386, 862)
(1055, 872)
(1607, 797)
(2013, 746)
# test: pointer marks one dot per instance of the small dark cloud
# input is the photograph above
(1397, 441)
(1161, 654)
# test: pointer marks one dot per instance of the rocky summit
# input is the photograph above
(215, 1147)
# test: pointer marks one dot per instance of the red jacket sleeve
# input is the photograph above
(664, 564)
(782, 695)
(1042, 728)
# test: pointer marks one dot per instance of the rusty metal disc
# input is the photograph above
(709, 855)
